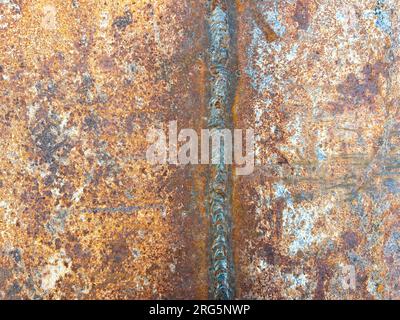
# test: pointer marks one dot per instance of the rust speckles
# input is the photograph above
(107, 63)
(10, 13)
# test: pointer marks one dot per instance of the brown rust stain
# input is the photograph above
(269, 33)
(302, 14)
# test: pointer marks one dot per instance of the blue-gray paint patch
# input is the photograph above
(392, 185)
(392, 247)
(272, 17)
(383, 17)
(320, 153)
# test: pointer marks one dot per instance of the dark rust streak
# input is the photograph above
(269, 33)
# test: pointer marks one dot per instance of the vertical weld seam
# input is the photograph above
(221, 269)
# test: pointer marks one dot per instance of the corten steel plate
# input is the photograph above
(84, 215)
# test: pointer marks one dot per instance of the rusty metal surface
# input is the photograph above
(83, 215)
(323, 98)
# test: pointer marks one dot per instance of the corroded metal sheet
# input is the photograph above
(85, 215)
(323, 202)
